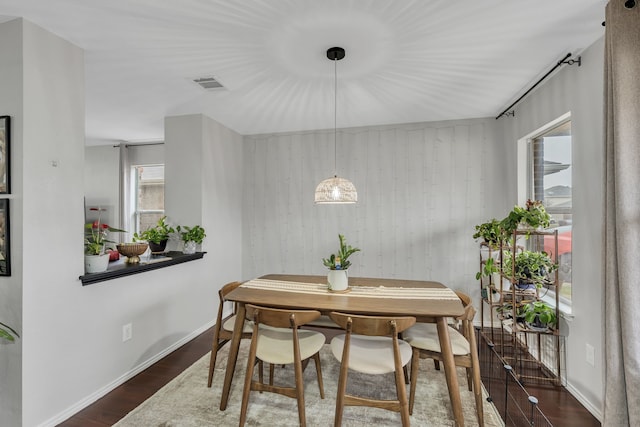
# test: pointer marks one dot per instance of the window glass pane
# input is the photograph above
(150, 188)
(551, 165)
(149, 196)
(148, 219)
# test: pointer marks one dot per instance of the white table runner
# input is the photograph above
(355, 291)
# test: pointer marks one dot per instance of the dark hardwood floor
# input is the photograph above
(555, 402)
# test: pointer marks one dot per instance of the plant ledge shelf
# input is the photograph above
(121, 269)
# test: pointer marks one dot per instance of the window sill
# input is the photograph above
(120, 268)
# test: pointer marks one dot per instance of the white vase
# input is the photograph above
(189, 247)
(484, 253)
(338, 280)
(96, 263)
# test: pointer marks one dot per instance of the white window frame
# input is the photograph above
(525, 189)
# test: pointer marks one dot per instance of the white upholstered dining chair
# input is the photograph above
(277, 340)
(423, 338)
(371, 346)
(223, 329)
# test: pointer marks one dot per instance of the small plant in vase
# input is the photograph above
(491, 232)
(532, 216)
(338, 263)
(191, 236)
(95, 242)
(157, 236)
(531, 268)
(539, 316)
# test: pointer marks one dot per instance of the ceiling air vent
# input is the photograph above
(208, 83)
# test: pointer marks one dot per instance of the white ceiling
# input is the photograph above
(406, 61)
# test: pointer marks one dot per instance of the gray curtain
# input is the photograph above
(622, 214)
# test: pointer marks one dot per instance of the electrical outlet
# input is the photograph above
(590, 355)
(127, 331)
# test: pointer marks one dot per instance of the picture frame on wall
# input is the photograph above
(5, 140)
(5, 256)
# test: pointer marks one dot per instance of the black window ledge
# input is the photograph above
(121, 269)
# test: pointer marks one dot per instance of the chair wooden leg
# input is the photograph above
(271, 372)
(469, 378)
(247, 382)
(415, 365)
(316, 359)
(342, 388)
(477, 382)
(436, 364)
(401, 391)
(300, 393)
(214, 354)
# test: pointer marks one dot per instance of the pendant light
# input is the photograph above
(335, 190)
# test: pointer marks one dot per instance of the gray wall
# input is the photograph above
(578, 90)
(47, 152)
(421, 189)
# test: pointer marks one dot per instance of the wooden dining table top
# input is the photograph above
(439, 303)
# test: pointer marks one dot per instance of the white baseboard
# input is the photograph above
(77, 407)
(596, 412)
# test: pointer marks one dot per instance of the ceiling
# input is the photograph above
(406, 61)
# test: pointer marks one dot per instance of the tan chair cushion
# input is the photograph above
(371, 355)
(425, 336)
(230, 323)
(275, 345)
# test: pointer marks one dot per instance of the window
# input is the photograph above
(549, 180)
(148, 200)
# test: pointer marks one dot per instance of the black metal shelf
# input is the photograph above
(121, 269)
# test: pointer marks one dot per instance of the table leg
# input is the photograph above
(450, 371)
(234, 346)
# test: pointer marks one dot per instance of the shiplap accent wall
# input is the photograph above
(421, 189)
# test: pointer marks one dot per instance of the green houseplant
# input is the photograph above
(191, 236)
(491, 232)
(489, 267)
(157, 236)
(96, 259)
(531, 268)
(338, 263)
(533, 215)
(340, 260)
(539, 316)
(95, 236)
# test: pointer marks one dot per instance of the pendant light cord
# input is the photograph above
(335, 117)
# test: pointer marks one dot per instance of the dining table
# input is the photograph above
(427, 301)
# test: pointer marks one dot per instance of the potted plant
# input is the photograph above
(489, 267)
(539, 316)
(531, 268)
(505, 311)
(96, 258)
(532, 216)
(191, 236)
(491, 233)
(338, 263)
(7, 332)
(157, 236)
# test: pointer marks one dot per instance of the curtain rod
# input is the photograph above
(139, 145)
(562, 61)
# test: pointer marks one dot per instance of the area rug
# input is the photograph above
(187, 401)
